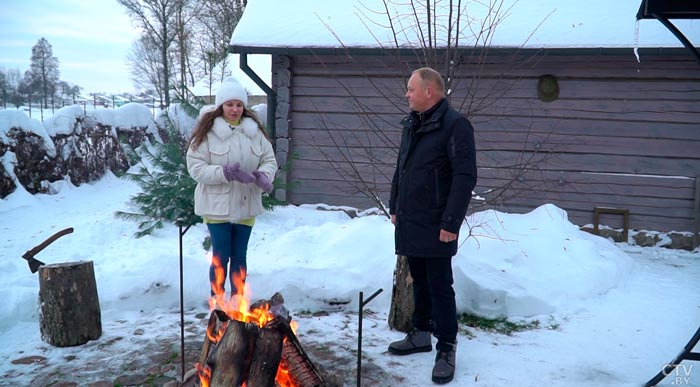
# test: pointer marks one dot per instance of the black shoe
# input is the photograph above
(414, 342)
(444, 369)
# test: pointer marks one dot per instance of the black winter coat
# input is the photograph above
(433, 182)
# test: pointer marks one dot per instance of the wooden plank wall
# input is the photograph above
(622, 133)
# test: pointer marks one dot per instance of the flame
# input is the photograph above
(237, 307)
(282, 378)
(204, 373)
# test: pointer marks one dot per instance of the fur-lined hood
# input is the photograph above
(223, 129)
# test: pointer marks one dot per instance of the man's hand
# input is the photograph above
(393, 219)
(446, 236)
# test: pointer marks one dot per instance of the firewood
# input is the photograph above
(230, 359)
(266, 357)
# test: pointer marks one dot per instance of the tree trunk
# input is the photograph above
(401, 309)
(70, 308)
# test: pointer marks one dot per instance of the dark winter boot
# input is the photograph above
(444, 369)
(414, 342)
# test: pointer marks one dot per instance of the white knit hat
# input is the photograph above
(230, 89)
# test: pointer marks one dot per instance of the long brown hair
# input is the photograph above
(206, 121)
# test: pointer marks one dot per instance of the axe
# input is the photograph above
(29, 255)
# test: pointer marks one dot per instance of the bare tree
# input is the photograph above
(187, 13)
(159, 21)
(215, 25)
(43, 69)
(146, 66)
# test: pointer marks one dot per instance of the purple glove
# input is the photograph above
(262, 181)
(233, 172)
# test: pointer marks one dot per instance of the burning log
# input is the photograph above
(266, 357)
(230, 360)
(299, 368)
(70, 308)
(247, 349)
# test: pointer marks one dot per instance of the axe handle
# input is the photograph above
(34, 251)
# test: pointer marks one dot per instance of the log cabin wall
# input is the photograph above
(622, 133)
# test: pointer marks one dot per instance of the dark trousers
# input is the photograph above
(434, 298)
(229, 245)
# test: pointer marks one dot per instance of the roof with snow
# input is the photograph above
(261, 64)
(532, 24)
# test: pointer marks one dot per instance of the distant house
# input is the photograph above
(579, 106)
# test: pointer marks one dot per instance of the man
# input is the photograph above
(430, 192)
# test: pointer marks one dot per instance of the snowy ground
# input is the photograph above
(610, 314)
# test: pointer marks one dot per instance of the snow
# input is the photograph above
(527, 24)
(611, 314)
(10, 119)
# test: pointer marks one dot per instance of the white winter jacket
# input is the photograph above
(215, 197)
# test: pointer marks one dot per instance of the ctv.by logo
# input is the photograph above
(679, 375)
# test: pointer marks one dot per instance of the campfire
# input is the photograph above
(252, 345)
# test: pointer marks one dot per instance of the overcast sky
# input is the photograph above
(91, 40)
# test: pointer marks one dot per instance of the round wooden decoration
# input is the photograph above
(547, 88)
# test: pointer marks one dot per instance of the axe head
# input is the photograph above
(29, 255)
(33, 262)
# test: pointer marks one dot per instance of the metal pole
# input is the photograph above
(182, 314)
(182, 305)
(359, 342)
(362, 304)
(696, 227)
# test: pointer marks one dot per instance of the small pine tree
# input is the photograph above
(168, 189)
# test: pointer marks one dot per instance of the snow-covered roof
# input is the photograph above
(261, 64)
(521, 23)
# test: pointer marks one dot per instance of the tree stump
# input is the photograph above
(401, 310)
(70, 308)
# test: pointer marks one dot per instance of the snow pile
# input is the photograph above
(533, 264)
(14, 119)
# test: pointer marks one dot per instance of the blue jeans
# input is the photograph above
(434, 298)
(229, 244)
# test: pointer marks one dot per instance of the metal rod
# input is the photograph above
(359, 343)
(696, 227)
(181, 233)
(362, 304)
(182, 311)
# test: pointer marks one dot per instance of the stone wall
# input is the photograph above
(79, 146)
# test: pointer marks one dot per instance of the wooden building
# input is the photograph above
(567, 109)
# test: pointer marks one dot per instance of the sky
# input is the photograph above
(611, 314)
(91, 40)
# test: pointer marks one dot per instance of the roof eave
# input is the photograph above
(244, 49)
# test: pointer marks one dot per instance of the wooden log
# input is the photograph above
(300, 370)
(230, 359)
(70, 307)
(401, 310)
(266, 357)
(211, 327)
